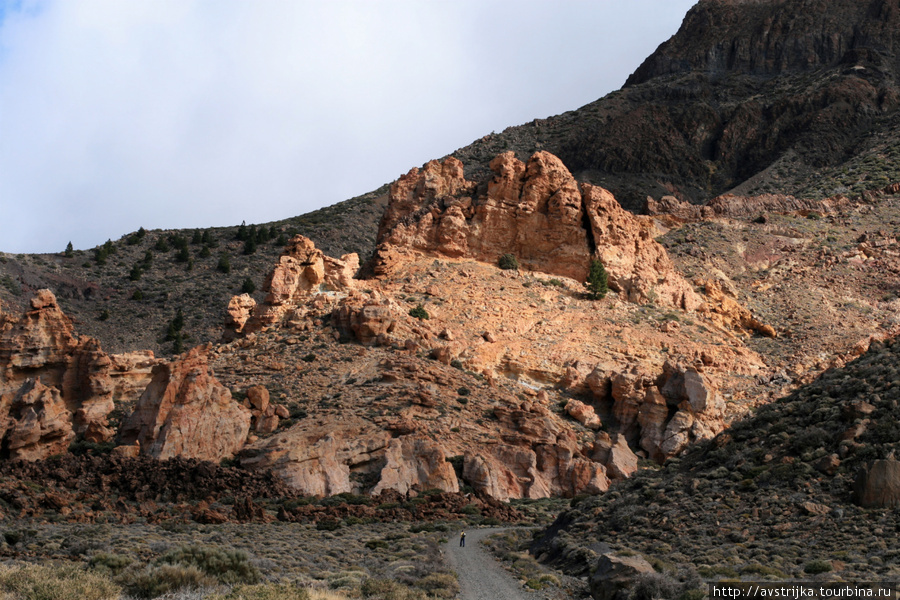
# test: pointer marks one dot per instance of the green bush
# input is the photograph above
(508, 262)
(597, 281)
(814, 567)
(419, 312)
(328, 525)
(248, 287)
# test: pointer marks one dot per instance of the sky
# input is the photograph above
(165, 114)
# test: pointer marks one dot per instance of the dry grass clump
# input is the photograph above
(68, 582)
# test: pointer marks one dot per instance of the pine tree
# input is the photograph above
(70, 251)
(597, 281)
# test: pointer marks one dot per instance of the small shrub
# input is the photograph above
(104, 314)
(419, 312)
(654, 586)
(70, 251)
(508, 262)
(161, 245)
(155, 580)
(309, 358)
(227, 566)
(814, 567)
(12, 537)
(328, 525)
(110, 564)
(266, 591)
(248, 287)
(439, 585)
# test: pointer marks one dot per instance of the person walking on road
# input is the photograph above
(462, 539)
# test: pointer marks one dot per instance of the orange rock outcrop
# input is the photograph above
(55, 385)
(536, 211)
(186, 412)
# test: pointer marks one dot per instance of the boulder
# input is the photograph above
(613, 452)
(615, 575)
(583, 413)
(35, 423)
(258, 396)
(186, 412)
(877, 484)
(240, 309)
(365, 320)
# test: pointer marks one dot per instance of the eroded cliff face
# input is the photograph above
(536, 211)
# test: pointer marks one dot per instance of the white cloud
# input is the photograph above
(188, 113)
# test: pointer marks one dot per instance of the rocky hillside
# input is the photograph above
(786, 97)
(127, 292)
(797, 490)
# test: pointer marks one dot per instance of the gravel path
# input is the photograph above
(480, 576)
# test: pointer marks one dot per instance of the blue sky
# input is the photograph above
(190, 113)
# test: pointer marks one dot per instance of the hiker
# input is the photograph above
(462, 539)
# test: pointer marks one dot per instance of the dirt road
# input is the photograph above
(480, 575)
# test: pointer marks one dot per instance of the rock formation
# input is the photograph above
(34, 424)
(323, 460)
(301, 272)
(55, 385)
(539, 213)
(535, 458)
(186, 412)
(666, 412)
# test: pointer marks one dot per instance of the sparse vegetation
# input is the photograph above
(508, 262)
(419, 312)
